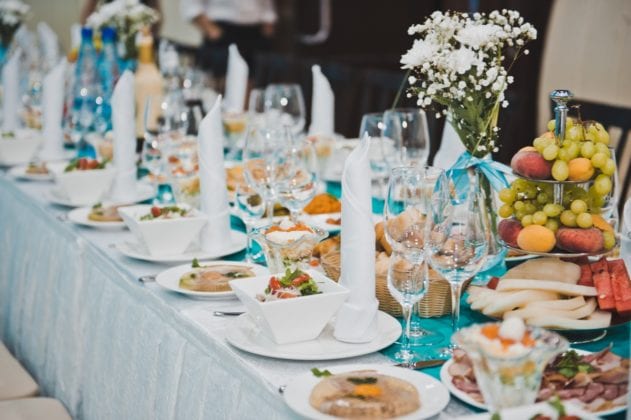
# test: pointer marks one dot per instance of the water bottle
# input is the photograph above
(85, 92)
(108, 71)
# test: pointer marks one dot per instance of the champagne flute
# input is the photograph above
(298, 190)
(250, 206)
(285, 105)
(408, 128)
(458, 233)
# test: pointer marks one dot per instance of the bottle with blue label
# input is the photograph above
(85, 92)
(108, 72)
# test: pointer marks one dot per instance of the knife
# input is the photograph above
(422, 364)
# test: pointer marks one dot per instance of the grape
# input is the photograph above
(602, 185)
(539, 218)
(574, 133)
(542, 198)
(564, 154)
(505, 211)
(551, 125)
(552, 210)
(610, 239)
(569, 123)
(520, 184)
(590, 136)
(519, 205)
(540, 143)
(530, 208)
(597, 201)
(573, 150)
(550, 152)
(552, 224)
(507, 195)
(519, 214)
(602, 148)
(602, 136)
(530, 192)
(560, 170)
(584, 220)
(568, 218)
(609, 168)
(578, 206)
(526, 220)
(599, 160)
(588, 149)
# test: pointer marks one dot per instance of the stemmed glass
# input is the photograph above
(404, 216)
(381, 151)
(458, 233)
(408, 128)
(250, 206)
(285, 105)
(296, 191)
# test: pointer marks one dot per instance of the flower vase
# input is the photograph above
(128, 64)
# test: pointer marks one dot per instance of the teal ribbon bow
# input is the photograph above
(492, 170)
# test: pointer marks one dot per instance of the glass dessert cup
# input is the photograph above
(291, 253)
(512, 377)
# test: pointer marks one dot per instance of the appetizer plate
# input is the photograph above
(246, 335)
(144, 192)
(19, 172)
(320, 221)
(136, 251)
(446, 379)
(170, 279)
(530, 411)
(433, 395)
(79, 216)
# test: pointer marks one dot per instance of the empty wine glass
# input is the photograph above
(250, 206)
(408, 128)
(458, 234)
(285, 105)
(296, 191)
(381, 151)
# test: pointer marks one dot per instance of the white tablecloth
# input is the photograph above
(109, 347)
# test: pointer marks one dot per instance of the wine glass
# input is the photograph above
(285, 105)
(381, 151)
(408, 128)
(267, 157)
(250, 206)
(296, 191)
(405, 216)
(458, 233)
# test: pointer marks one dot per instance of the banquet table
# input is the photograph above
(108, 346)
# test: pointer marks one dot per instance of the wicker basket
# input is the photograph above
(436, 302)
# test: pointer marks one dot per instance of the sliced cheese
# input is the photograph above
(546, 269)
(561, 304)
(508, 301)
(533, 311)
(598, 319)
(553, 286)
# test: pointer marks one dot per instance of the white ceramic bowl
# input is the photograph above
(291, 320)
(163, 237)
(21, 149)
(84, 188)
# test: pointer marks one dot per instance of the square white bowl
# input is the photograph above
(84, 188)
(163, 237)
(291, 320)
(21, 149)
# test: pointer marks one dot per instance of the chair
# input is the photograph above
(15, 381)
(33, 409)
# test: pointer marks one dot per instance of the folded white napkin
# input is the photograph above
(124, 128)
(322, 105)
(450, 147)
(357, 319)
(236, 81)
(11, 92)
(212, 179)
(49, 42)
(75, 35)
(52, 113)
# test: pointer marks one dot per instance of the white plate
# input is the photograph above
(433, 395)
(446, 379)
(143, 192)
(79, 216)
(319, 221)
(244, 334)
(170, 279)
(134, 250)
(529, 411)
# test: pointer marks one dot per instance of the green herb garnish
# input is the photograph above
(97, 206)
(496, 416)
(362, 381)
(236, 275)
(571, 363)
(320, 373)
(558, 406)
(195, 263)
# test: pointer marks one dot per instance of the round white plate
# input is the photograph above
(170, 279)
(143, 192)
(134, 250)
(433, 395)
(446, 379)
(79, 216)
(244, 334)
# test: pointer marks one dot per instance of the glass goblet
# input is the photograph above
(285, 105)
(250, 206)
(409, 130)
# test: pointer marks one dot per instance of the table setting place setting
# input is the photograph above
(359, 280)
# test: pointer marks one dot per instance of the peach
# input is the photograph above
(536, 238)
(580, 240)
(531, 165)
(527, 149)
(581, 169)
(508, 229)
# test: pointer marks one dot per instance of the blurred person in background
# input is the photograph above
(250, 24)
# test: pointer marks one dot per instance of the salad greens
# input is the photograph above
(320, 373)
(570, 363)
(297, 279)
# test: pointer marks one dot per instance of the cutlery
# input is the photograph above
(422, 364)
(147, 279)
(227, 313)
(281, 389)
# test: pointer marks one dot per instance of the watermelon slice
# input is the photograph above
(602, 281)
(586, 275)
(621, 286)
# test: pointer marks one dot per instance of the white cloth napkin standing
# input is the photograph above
(450, 147)
(357, 319)
(52, 113)
(215, 236)
(322, 105)
(236, 81)
(124, 128)
(11, 92)
(49, 42)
